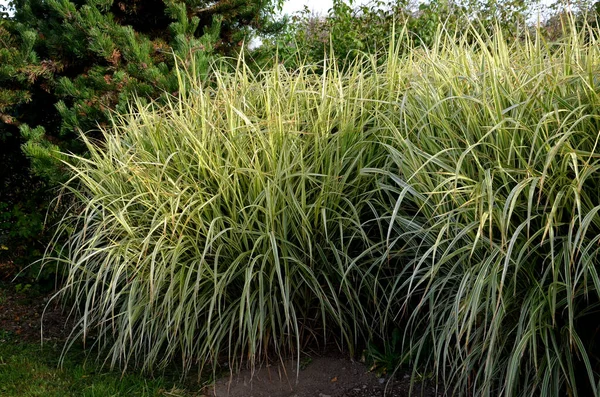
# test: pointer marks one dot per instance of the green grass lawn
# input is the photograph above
(28, 369)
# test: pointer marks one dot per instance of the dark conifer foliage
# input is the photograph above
(67, 64)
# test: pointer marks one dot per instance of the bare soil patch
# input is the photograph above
(21, 315)
(327, 376)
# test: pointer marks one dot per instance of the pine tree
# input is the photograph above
(22, 195)
(72, 62)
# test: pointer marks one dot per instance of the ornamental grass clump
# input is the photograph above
(221, 226)
(492, 189)
(451, 193)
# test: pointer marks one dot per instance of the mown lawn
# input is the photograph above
(29, 369)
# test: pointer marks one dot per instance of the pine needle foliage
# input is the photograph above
(451, 193)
